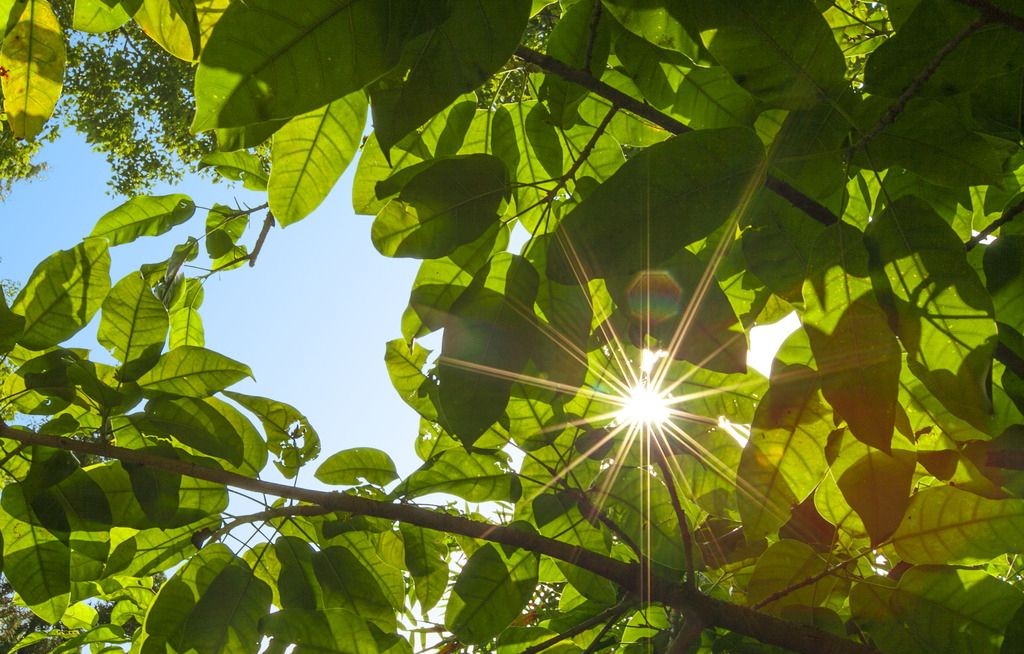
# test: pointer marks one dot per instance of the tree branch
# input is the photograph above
(808, 205)
(609, 614)
(1008, 215)
(915, 84)
(712, 612)
(995, 14)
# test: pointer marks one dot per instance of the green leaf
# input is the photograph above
(454, 57)
(37, 564)
(936, 609)
(348, 467)
(331, 631)
(672, 193)
(448, 204)
(487, 337)
(1004, 277)
(784, 459)
(33, 58)
(655, 24)
(133, 325)
(194, 372)
(186, 328)
(63, 293)
(703, 97)
(98, 16)
(405, 368)
(490, 592)
(208, 425)
(858, 356)
(784, 565)
(295, 59)
(895, 64)
(173, 24)
(11, 326)
(948, 525)
(930, 139)
(782, 52)
(943, 314)
(212, 605)
(475, 477)
(146, 215)
(242, 167)
(426, 557)
(877, 487)
(289, 434)
(309, 154)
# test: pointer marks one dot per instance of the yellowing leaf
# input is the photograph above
(33, 55)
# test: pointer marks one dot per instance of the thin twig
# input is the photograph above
(808, 205)
(919, 81)
(807, 581)
(275, 512)
(1008, 215)
(268, 222)
(684, 524)
(609, 614)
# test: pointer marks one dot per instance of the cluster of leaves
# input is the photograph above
(128, 98)
(681, 172)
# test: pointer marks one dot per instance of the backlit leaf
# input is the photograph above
(63, 293)
(309, 154)
(947, 525)
(146, 215)
(33, 58)
(194, 372)
(348, 467)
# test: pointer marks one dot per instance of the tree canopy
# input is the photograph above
(669, 174)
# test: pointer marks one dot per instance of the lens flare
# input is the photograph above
(645, 407)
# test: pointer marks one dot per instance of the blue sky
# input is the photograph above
(311, 318)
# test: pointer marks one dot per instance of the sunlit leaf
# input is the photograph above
(452, 58)
(133, 325)
(473, 477)
(296, 58)
(63, 293)
(784, 459)
(490, 592)
(943, 314)
(451, 203)
(671, 194)
(289, 434)
(32, 57)
(351, 465)
(857, 355)
(947, 525)
(173, 24)
(194, 372)
(309, 154)
(145, 215)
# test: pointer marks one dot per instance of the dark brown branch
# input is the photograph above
(712, 612)
(1008, 215)
(995, 14)
(809, 206)
(919, 81)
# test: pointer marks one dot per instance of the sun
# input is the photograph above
(644, 406)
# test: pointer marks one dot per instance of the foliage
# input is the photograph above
(680, 173)
(126, 96)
